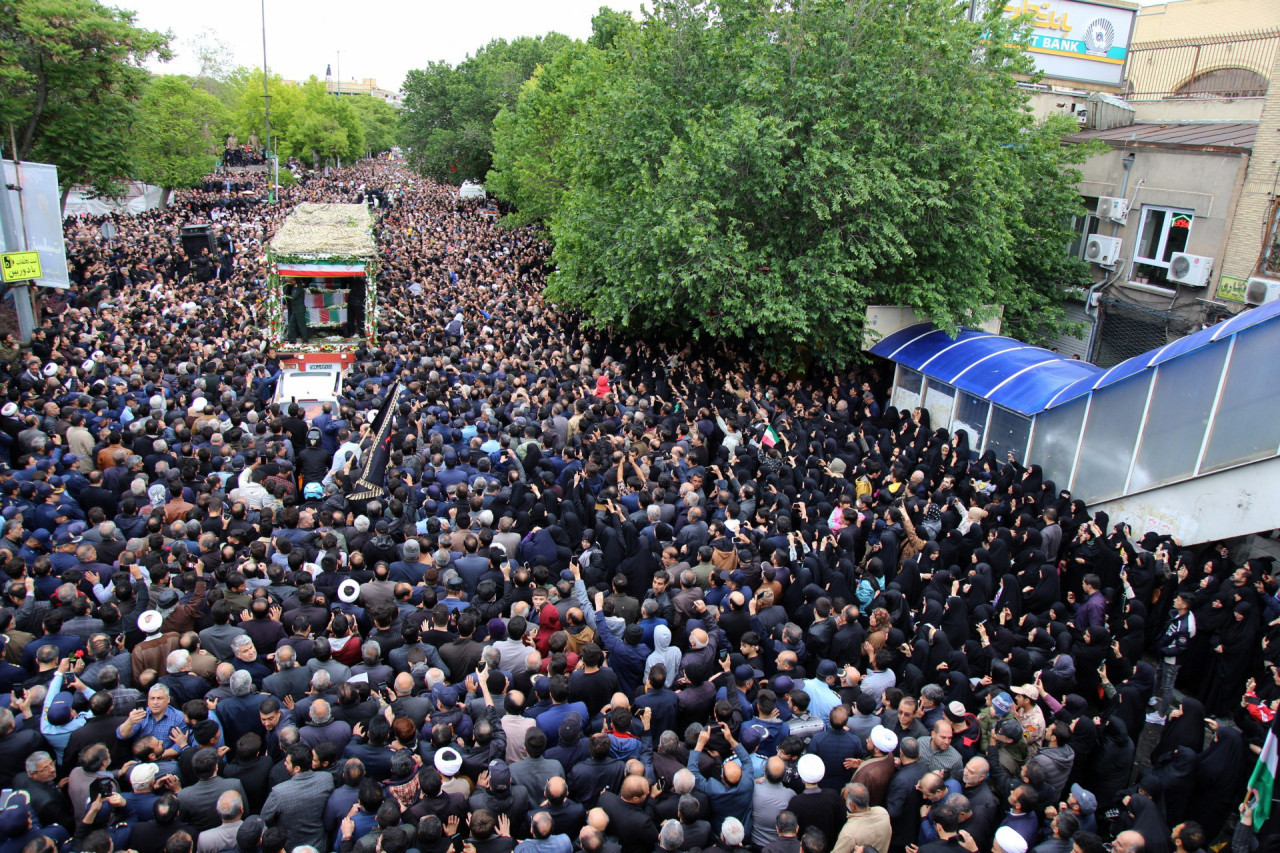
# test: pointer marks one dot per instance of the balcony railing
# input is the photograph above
(1234, 65)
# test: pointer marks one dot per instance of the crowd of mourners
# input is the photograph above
(617, 596)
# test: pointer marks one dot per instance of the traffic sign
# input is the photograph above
(19, 266)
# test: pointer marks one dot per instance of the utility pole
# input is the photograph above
(266, 103)
(14, 243)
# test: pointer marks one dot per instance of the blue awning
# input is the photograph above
(1007, 372)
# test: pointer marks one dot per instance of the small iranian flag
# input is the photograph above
(770, 437)
(1263, 780)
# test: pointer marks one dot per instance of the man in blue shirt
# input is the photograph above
(158, 720)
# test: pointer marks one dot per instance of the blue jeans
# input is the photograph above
(1168, 675)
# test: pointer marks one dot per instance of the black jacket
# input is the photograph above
(632, 825)
(588, 779)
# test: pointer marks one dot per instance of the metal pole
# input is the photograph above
(14, 243)
(266, 100)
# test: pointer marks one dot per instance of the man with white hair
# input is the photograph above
(671, 835)
(289, 678)
(321, 727)
(732, 834)
(182, 683)
(247, 659)
(239, 711)
(157, 720)
(231, 810)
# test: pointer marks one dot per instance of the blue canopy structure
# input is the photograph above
(1002, 370)
(1201, 404)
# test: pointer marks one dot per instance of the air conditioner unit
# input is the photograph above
(1191, 270)
(1103, 251)
(1113, 209)
(1260, 291)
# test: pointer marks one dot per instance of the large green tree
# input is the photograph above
(534, 141)
(324, 127)
(179, 136)
(761, 171)
(447, 123)
(246, 96)
(71, 76)
(379, 120)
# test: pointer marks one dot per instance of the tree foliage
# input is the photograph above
(379, 120)
(448, 116)
(307, 121)
(534, 140)
(179, 135)
(323, 127)
(751, 170)
(71, 76)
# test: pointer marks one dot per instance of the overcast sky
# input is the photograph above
(382, 39)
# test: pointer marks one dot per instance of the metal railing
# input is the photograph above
(1233, 65)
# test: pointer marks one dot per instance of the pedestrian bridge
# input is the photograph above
(1184, 439)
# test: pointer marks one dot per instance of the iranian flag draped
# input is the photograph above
(770, 437)
(1264, 778)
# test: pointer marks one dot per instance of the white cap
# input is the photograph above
(9, 410)
(1009, 841)
(885, 741)
(199, 403)
(50, 369)
(811, 768)
(142, 775)
(149, 622)
(348, 591)
(449, 762)
(88, 364)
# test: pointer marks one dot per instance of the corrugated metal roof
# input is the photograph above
(1005, 371)
(1190, 137)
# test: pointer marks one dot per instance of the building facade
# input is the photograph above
(1182, 223)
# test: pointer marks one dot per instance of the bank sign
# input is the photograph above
(1079, 41)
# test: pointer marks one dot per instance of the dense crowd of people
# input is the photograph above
(618, 595)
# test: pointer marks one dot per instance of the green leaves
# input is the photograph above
(180, 134)
(379, 120)
(448, 115)
(747, 170)
(71, 76)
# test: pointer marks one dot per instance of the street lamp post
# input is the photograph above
(266, 101)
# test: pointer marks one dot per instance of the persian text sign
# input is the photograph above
(1078, 40)
(19, 266)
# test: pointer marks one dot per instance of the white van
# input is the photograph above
(310, 388)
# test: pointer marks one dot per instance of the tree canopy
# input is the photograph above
(307, 121)
(750, 170)
(71, 73)
(180, 134)
(379, 120)
(447, 124)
